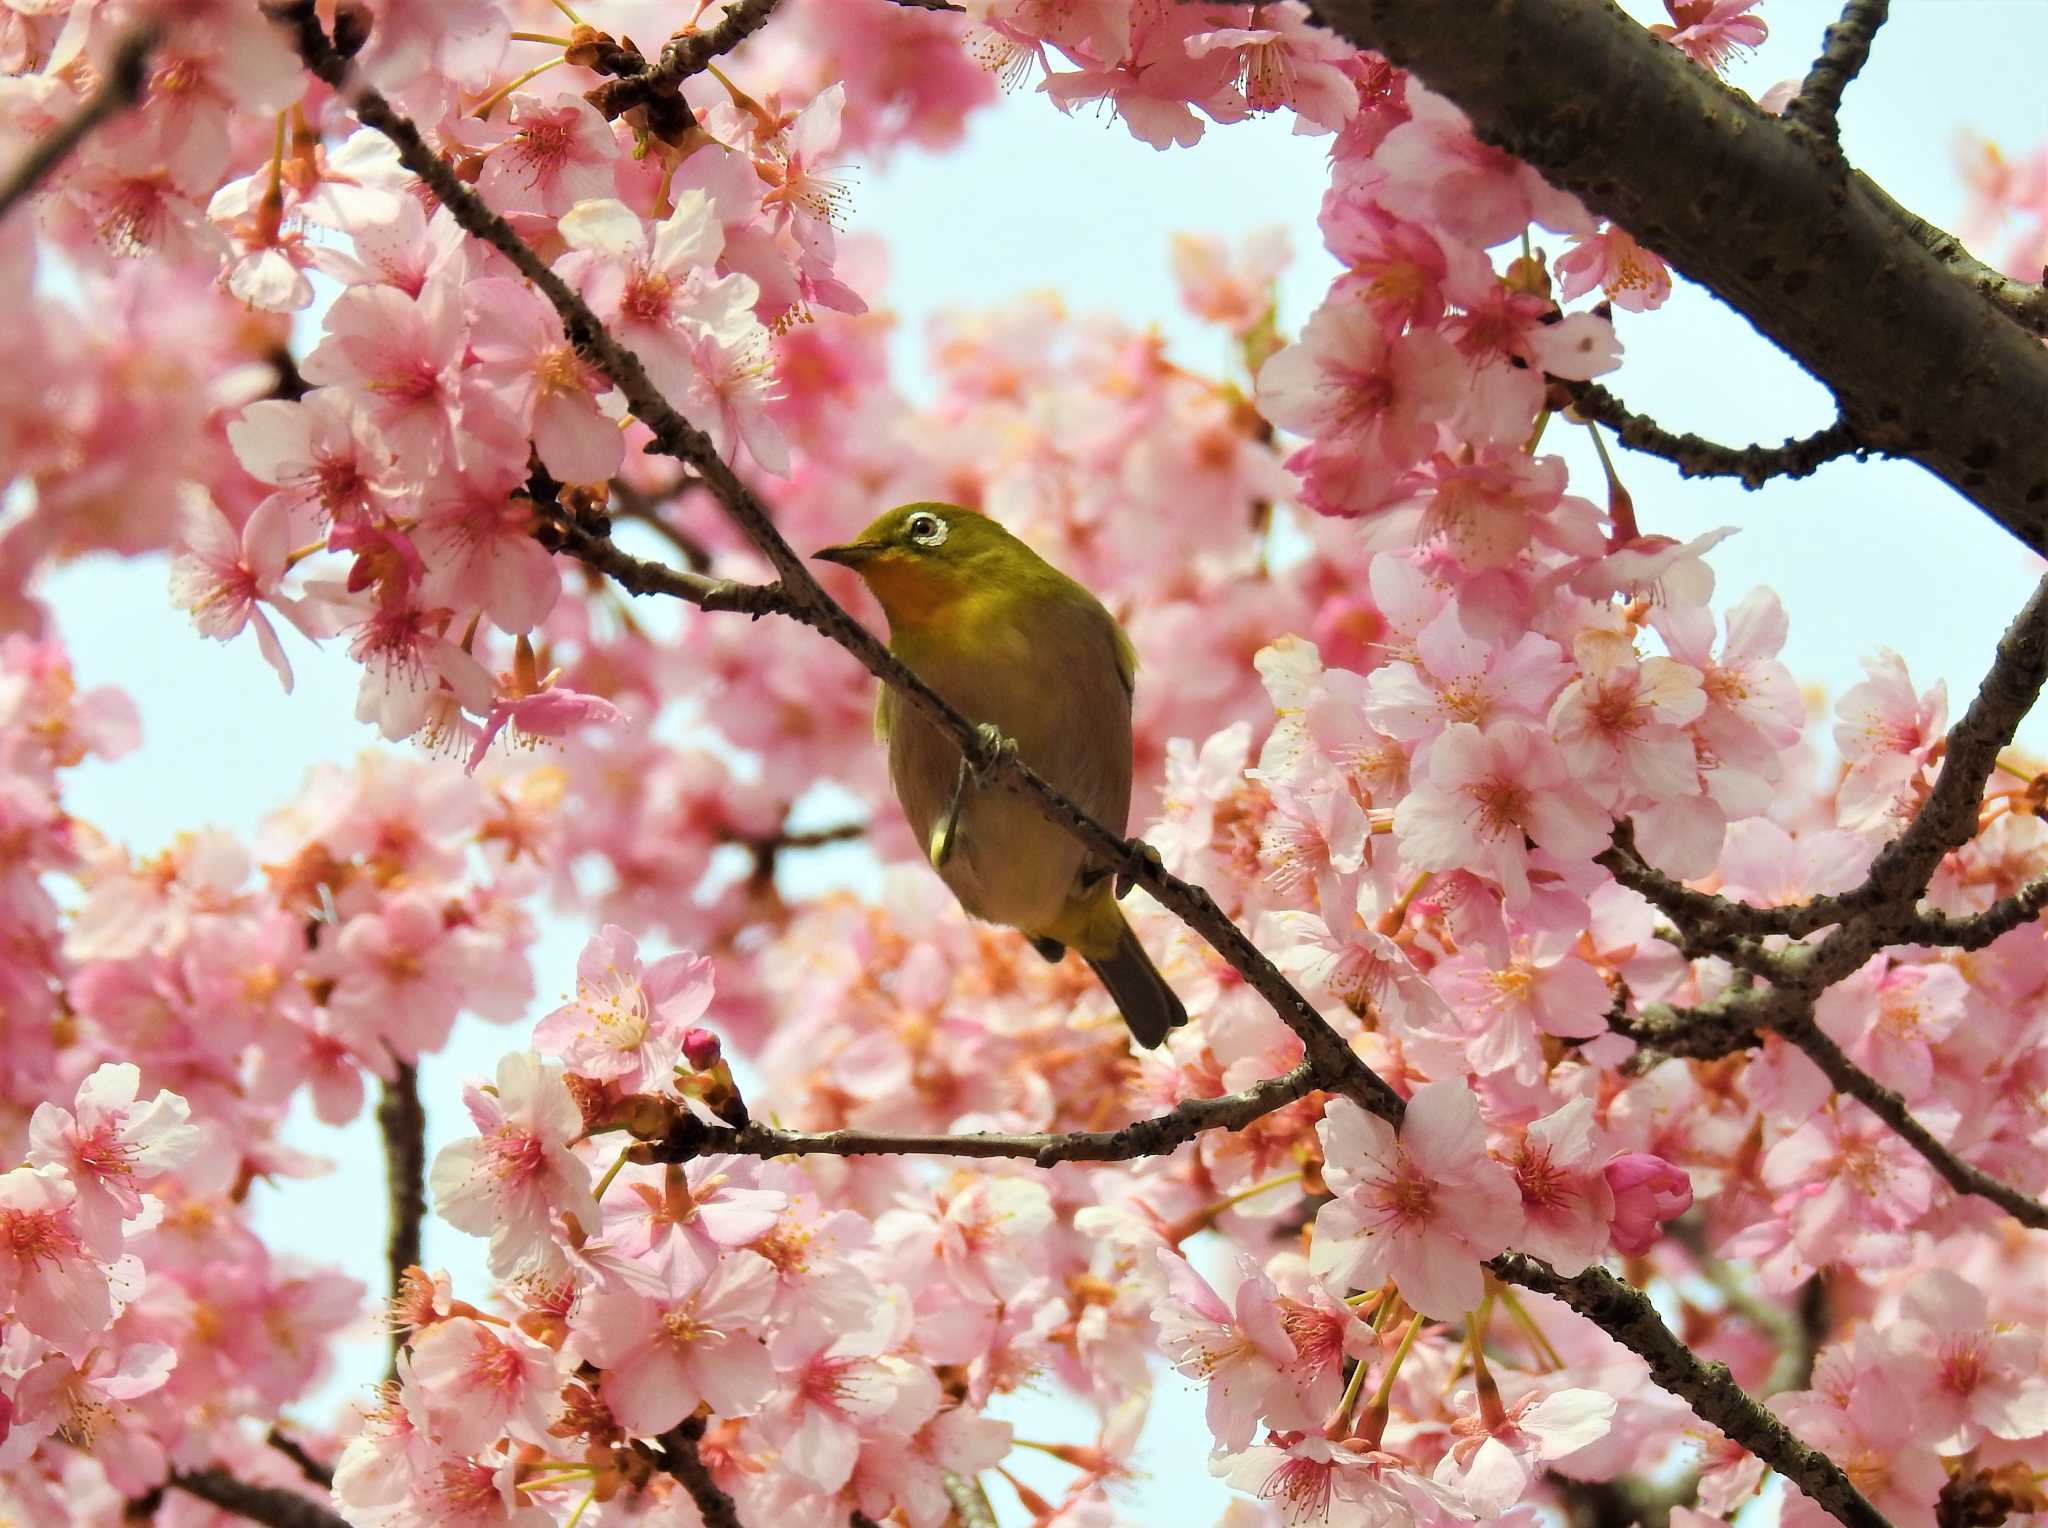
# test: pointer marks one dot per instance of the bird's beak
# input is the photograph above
(851, 555)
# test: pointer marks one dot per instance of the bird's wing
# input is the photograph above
(883, 711)
(1126, 657)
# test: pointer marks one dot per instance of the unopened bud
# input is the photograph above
(1526, 274)
(701, 1049)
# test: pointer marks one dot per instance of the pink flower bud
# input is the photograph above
(701, 1049)
(1647, 1192)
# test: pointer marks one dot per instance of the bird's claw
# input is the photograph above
(1125, 880)
(996, 749)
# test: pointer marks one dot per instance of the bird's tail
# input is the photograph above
(1149, 1006)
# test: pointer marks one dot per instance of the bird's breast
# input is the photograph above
(1049, 680)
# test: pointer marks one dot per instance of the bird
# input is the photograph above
(1037, 662)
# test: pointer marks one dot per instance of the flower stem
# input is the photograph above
(569, 1473)
(551, 41)
(610, 1173)
(489, 103)
(577, 1516)
(1340, 1423)
(1528, 1324)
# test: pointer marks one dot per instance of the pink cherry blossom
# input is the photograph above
(1647, 1192)
(1567, 1204)
(1484, 795)
(517, 1180)
(58, 1287)
(627, 1021)
(224, 578)
(1349, 1484)
(664, 1352)
(1347, 383)
(1887, 734)
(1242, 1355)
(1629, 275)
(327, 460)
(520, 354)
(1490, 1462)
(476, 1383)
(1712, 32)
(560, 153)
(1438, 173)
(398, 358)
(1970, 1378)
(1422, 1208)
(112, 1147)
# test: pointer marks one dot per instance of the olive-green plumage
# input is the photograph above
(1015, 644)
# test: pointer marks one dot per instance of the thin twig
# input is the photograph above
(683, 1461)
(1695, 456)
(629, 503)
(808, 602)
(1152, 1137)
(1972, 931)
(402, 1124)
(687, 53)
(1888, 1106)
(319, 1474)
(260, 1504)
(1841, 59)
(1891, 892)
(127, 73)
(1626, 1315)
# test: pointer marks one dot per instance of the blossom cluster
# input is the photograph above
(1403, 687)
(160, 1017)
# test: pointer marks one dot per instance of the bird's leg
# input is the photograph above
(939, 848)
(945, 832)
(1125, 881)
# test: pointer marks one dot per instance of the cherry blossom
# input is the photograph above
(517, 1180)
(627, 1021)
(1422, 1208)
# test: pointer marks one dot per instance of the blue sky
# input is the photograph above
(1877, 554)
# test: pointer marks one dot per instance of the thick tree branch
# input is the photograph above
(1920, 364)
(1153, 1137)
(1695, 456)
(260, 1504)
(127, 73)
(1842, 57)
(679, 1443)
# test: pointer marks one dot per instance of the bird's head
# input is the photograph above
(920, 559)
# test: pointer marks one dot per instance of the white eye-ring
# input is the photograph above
(927, 529)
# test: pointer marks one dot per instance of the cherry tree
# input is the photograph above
(1603, 1098)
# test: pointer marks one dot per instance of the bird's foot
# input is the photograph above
(1125, 880)
(995, 748)
(1048, 949)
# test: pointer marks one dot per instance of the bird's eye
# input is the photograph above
(927, 530)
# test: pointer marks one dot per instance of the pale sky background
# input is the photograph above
(1869, 555)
